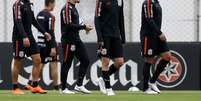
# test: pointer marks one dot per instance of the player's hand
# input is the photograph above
(53, 52)
(123, 41)
(100, 45)
(163, 37)
(26, 42)
(48, 36)
(88, 28)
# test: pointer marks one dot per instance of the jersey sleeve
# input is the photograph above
(17, 11)
(149, 15)
(97, 21)
(37, 25)
(51, 23)
(121, 22)
(67, 18)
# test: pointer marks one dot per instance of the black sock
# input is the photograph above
(146, 75)
(15, 86)
(35, 83)
(84, 64)
(161, 66)
(112, 70)
(56, 87)
(106, 79)
(64, 72)
(30, 82)
(80, 81)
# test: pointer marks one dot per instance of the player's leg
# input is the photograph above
(33, 52)
(105, 74)
(163, 51)
(36, 74)
(29, 85)
(159, 69)
(68, 56)
(54, 74)
(82, 56)
(161, 66)
(115, 52)
(117, 55)
(104, 81)
(18, 55)
(118, 62)
(36, 69)
(15, 72)
(148, 52)
(146, 72)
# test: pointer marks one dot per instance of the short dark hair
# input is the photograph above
(49, 1)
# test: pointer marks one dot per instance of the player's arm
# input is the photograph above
(121, 23)
(148, 10)
(97, 21)
(52, 32)
(39, 28)
(36, 24)
(18, 20)
(67, 18)
(53, 43)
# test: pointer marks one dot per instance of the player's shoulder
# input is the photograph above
(43, 15)
(18, 3)
(148, 2)
(63, 8)
(70, 7)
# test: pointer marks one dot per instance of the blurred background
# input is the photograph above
(181, 19)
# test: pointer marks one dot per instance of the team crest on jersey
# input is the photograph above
(104, 51)
(72, 48)
(21, 54)
(150, 52)
(175, 72)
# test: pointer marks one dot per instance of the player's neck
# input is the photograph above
(26, 0)
(47, 8)
(156, 0)
(71, 3)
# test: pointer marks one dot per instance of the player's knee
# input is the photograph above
(37, 61)
(119, 63)
(149, 60)
(167, 57)
(105, 62)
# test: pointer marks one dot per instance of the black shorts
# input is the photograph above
(153, 46)
(112, 48)
(19, 51)
(77, 49)
(45, 55)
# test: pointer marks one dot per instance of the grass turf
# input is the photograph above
(97, 96)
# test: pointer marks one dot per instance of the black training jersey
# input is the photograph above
(70, 25)
(151, 18)
(23, 17)
(47, 21)
(107, 19)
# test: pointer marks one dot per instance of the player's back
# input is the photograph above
(151, 17)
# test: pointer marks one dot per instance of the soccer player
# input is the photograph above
(108, 25)
(25, 44)
(154, 43)
(73, 46)
(48, 51)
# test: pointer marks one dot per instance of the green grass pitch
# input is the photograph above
(97, 96)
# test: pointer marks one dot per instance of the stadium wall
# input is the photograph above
(182, 74)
